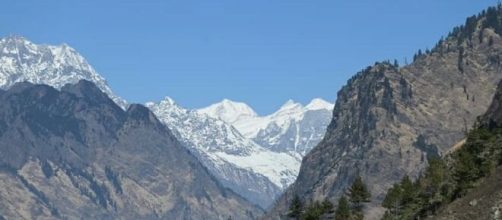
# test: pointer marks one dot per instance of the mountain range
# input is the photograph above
(293, 129)
(72, 147)
(257, 165)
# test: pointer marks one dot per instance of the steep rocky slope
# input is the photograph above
(75, 154)
(387, 120)
(484, 200)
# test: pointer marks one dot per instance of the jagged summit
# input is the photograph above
(289, 106)
(228, 111)
(318, 104)
(22, 60)
(166, 102)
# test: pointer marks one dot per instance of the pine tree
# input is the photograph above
(327, 206)
(359, 194)
(343, 210)
(408, 190)
(396, 64)
(295, 208)
(388, 216)
(314, 211)
(393, 200)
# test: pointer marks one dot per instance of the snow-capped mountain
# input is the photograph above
(255, 172)
(22, 60)
(294, 128)
(257, 157)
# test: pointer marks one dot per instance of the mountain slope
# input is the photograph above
(464, 184)
(239, 163)
(22, 60)
(387, 120)
(484, 199)
(293, 129)
(75, 154)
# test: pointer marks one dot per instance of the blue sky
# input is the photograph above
(262, 52)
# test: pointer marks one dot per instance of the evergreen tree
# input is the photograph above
(396, 64)
(295, 208)
(359, 194)
(327, 206)
(343, 210)
(393, 201)
(408, 190)
(313, 212)
(388, 216)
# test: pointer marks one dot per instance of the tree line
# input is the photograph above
(447, 179)
(350, 206)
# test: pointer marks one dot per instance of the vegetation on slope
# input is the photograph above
(448, 179)
(348, 209)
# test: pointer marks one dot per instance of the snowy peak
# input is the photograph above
(293, 128)
(229, 111)
(167, 101)
(22, 60)
(168, 111)
(318, 104)
(290, 107)
(290, 104)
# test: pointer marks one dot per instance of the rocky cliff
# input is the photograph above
(388, 119)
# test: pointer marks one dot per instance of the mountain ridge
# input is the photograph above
(22, 60)
(388, 119)
(67, 155)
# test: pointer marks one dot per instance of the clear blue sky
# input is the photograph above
(262, 52)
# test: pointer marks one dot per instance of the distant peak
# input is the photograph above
(231, 102)
(233, 106)
(166, 104)
(14, 37)
(228, 111)
(15, 41)
(168, 101)
(318, 103)
(290, 104)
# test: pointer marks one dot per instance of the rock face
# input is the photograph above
(74, 153)
(22, 60)
(387, 120)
